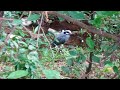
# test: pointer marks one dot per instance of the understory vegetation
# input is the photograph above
(92, 52)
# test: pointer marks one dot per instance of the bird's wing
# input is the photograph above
(61, 39)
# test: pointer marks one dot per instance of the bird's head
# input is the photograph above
(67, 32)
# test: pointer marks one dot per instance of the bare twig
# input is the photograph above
(29, 13)
(44, 35)
(46, 16)
(39, 27)
(48, 43)
(9, 19)
(22, 15)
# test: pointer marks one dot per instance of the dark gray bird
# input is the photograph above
(61, 38)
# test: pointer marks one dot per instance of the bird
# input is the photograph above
(61, 38)
(25, 22)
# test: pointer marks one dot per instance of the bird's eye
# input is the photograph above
(64, 32)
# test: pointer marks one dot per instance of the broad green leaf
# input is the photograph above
(22, 57)
(97, 21)
(81, 58)
(115, 69)
(104, 47)
(90, 42)
(70, 62)
(17, 74)
(61, 19)
(31, 47)
(76, 14)
(22, 33)
(66, 69)
(73, 52)
(45, 51)
(24, 44)
(110, 50)
(107, 13)
(107, 69)
(36, 29)
(17, 22)
(33, 56)
(108, 62)
(22, 50)
(33, 17)
(51, 74)
(33, 67)
(96, 59)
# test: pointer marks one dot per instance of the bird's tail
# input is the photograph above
(53, 44)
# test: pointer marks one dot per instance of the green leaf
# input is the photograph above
(76, 72)
(22, 57)
(66, 69)
(27, 65)
(51, 74)
(33, 56)
(115, 69)
(31, 47)
(33, 17)
(107, 13)
(36, 29)
(22, 50)
(104, 47)
(61, 19)
(16, 45)
(76, 14)
(110, 50)
(108, 62)
(32, 67)
(17, 74)
(17, 22)
(70, 62)
(98, 21)
(81, 58)
(96, 59)
(73, 14)
(73, 52)
(22, 33)
(90, 42)
(45, 51)
(24, 44)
